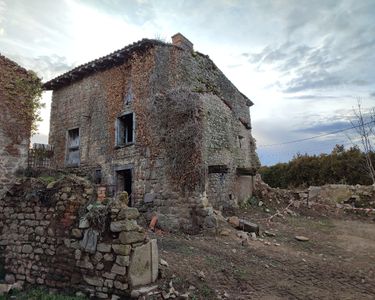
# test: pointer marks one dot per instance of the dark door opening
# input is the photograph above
(124, 183)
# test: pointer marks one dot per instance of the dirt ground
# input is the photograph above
(338, 261)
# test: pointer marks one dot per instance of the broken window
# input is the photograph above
(125, 130)
(124, 182)
(72, 158)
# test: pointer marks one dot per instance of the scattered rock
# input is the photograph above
(242, 235)
(301, 238)
(143, 290)
(268, 233)
(248, 226)
(201, 275)
(234, 221)
(224, 232)
(164, 263)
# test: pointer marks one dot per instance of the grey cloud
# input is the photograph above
(312, 97)
(46, 67)
(312, 80)
(372, 94)
(327, 127)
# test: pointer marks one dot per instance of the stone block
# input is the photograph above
(121, 286)
(131, 237)
(121, 249)
(108, 257)
(77, 233)
(124, 225)
(128, 213)
(84, 223)
(117, 269)
(94, 281)
(248, 226)
(102, 247)
(122, 260)
(27, 249)
(144, 264)
(149, 198)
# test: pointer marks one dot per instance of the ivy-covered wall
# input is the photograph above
(20, 92)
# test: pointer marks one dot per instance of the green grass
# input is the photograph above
(38, 294)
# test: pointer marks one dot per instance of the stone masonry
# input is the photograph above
(15, 121)
(58, 236)
(162, 122)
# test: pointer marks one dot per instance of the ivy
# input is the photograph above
(31, 90)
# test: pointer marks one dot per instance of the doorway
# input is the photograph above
(124, 183)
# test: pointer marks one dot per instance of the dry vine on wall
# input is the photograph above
(180, 121)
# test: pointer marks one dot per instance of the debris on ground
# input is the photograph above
(301, 238)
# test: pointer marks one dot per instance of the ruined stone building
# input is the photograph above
(17, 87)
(161, 122)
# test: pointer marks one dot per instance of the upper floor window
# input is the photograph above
(72, 156)
(125, 130)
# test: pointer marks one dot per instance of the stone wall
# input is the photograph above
(15, 120)
(58, 236)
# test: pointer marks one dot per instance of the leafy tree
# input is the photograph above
(340, 166)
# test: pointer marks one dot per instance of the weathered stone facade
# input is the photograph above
(162, 117)
(58, 236)
(15, 120)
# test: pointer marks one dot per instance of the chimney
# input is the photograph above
(179, 40)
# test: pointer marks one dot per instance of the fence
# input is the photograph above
(40, 156)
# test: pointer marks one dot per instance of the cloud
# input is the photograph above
(372, 94)
(46, 67)
(324, 128)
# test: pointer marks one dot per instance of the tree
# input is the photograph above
(365, 129)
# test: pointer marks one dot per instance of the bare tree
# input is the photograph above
(365, 129)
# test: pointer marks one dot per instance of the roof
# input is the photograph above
(115, 58)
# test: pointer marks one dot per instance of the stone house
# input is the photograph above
(161, 122)
(16, 97)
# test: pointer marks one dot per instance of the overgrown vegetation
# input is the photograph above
(31, 87)
(346, 166)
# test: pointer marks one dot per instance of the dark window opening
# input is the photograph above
(73, 147)
(218, 169)
(98, 176)
(125, 130)
(124, 183)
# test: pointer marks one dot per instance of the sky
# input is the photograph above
(304, 64)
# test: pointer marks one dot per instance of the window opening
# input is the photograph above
(98, 176)
(125, 130)
(73, 147)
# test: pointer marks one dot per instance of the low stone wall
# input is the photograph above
(58, 236)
